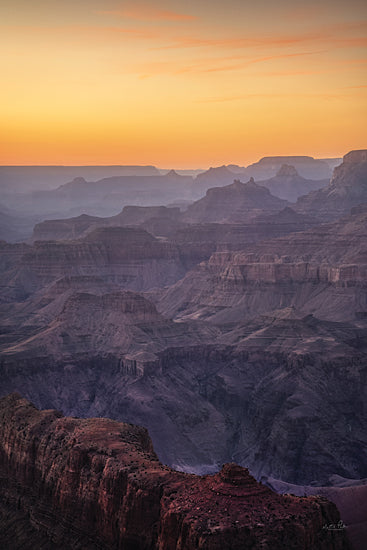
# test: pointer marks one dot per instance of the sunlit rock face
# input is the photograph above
(98, 483)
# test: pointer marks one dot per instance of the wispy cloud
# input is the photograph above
(145, 13)
(341, 34)
(214, 64)
(271, 96)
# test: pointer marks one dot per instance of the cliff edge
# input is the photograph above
(97, 483)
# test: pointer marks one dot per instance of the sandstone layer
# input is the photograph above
(98, 484)
(322, 271)
(130, 257)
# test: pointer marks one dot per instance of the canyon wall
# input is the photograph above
(97, 483)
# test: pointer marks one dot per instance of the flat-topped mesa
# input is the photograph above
(354, 157)
(97, 483)
(129, 304)
(286, 170)
(284, 159)
(120, 236)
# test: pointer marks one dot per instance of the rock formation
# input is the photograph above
(214, 177)
(321, 271)
(130, 257)
(235, 331)
(289, 185)
(101, 197)
(80, 226)
(307, 167)
(238, 202)
(274, 394)
(347, 188)
(97, 483)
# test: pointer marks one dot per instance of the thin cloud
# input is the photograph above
(332, 35)
(223, 99)
(248, 62)
(204, 66)
(150, 14)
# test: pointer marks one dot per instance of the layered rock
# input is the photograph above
(71, 325)
(273, 394)
(238, 202)
(97, 483)
(197, 242)
(347, 188)
(321, 271)
(130, 257)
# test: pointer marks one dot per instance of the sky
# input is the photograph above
(182, 84)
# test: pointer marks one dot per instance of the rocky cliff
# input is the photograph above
(128, 256)
(320, 271)
(274, 394)
(347, 188)
(96, 483)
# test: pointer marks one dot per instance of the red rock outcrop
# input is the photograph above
(97, 483)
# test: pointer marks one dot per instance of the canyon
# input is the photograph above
(233, 329)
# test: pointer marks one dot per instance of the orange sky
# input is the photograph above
(180, 84)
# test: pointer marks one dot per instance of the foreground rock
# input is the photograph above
(96, 483)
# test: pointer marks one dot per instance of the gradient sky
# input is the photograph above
(180, 83)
